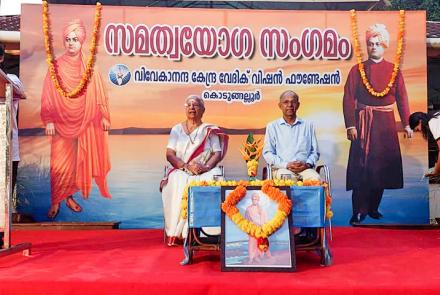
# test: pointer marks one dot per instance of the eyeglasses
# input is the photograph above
(194, 105)
(289, 102)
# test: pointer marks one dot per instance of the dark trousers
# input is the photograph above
(365, 200)
(14, 173)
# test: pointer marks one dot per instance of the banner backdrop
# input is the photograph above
(150, 59)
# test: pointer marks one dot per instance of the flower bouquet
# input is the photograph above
(251, 153)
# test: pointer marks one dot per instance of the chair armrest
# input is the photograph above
(325, 173)
(222, 169)
(267, 172)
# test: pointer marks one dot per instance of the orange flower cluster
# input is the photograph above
(229, 205)
(328, 201)
(251, 153)
(257, 182)
(51, 61)
(184, 202)
(311, 182)
(267, 229)
(397, 58)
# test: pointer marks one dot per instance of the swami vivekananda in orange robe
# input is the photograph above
(79, 149)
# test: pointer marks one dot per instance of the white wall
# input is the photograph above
(13, 7)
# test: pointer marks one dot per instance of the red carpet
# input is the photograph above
(366, 261)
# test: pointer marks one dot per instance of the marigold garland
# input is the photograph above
(87, 74)
(184, 202)
(257, 182)
(328, 201)
(256, 231)
(397, 58)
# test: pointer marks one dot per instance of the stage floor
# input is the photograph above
(366, 261)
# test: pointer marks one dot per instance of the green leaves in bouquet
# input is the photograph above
(250, 140)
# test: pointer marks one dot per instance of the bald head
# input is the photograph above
(289, 104)
(289, 93)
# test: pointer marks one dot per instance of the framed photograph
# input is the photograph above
(243, 252)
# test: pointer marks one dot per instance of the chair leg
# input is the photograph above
(264, 173)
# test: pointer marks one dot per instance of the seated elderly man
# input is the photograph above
(290, 144)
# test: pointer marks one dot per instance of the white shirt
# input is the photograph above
(284, 143)
(184, 145)
(14, 125)
(434, 127)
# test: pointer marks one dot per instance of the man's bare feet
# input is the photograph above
(53, 211)
(72, 205)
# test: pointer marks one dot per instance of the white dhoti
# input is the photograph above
(308, 174)
(204, 140)
(172, 193)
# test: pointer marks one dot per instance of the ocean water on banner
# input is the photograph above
(137, 168)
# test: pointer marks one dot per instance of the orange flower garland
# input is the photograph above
(51, 60)
(184, 202)
(328, 201)
(267, 229)
(397, 59)
(257, 182)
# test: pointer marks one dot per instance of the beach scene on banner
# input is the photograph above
(148, 60)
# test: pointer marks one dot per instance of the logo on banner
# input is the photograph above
(119, 75)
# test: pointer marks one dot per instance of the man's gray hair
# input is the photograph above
(289, 93)
(196, 98)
